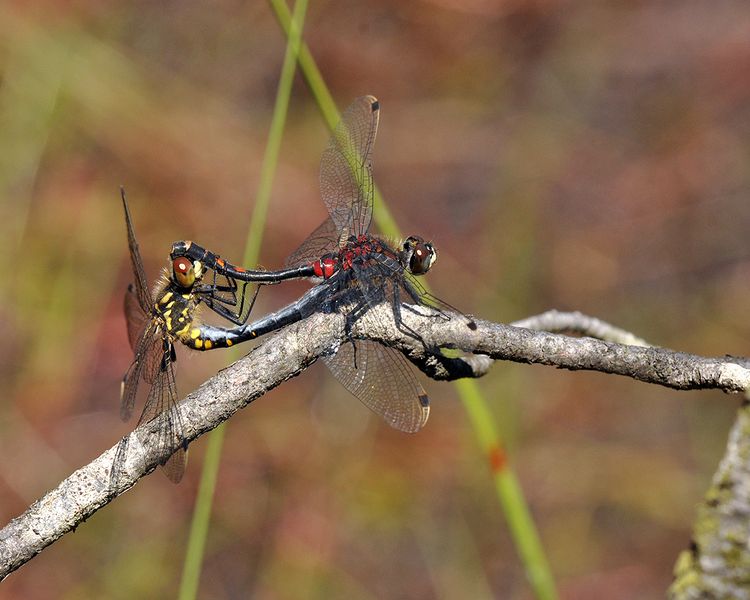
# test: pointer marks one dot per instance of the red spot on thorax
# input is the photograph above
(325, 267)
(498, 459)
(220, 262)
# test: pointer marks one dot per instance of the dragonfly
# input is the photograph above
(169, 313)
(356, 271)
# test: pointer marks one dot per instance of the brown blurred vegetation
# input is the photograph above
(576, 155)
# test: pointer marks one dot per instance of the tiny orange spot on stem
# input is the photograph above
(498, 459)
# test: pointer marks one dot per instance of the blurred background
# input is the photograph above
(589, 156)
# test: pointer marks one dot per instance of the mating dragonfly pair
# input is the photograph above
(356, 270)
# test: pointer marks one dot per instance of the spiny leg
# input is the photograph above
(219, 305)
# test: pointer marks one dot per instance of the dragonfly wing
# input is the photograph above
(346, 167)
(383, 380)
(174, 468)
(162, 401)
(324, 239)
(145, 366)
(128, 389)
(135, 318)
(152, 354)
(142, 292)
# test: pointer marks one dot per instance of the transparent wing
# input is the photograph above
(325, 239)
(142, 292)
(383, 380)
(162, 400)
(135, 318)
(145, 365)
(346, 167)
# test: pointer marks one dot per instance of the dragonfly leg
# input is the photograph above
(400, 325)
(418, 297)
(219, 304)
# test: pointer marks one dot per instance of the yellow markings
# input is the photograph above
(186, 296)
(208, 344)
(228, 342)
(198, 343)
(165, 298)
(171, 304)
(169, 323)
(167, 312)
(195, 333)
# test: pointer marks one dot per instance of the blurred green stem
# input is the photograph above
(508, 489)
(202, 512)
(510, 495)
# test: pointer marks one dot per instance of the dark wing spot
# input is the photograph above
(424, 400)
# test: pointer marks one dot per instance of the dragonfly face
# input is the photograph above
(186, 273)
(417, 256)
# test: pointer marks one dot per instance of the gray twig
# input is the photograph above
(555, 321)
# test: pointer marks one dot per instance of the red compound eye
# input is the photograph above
(183, 272)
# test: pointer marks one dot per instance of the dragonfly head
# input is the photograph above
(185, 272)
(417, 256)
(180, 248)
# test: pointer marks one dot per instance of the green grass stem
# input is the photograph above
(204, 500)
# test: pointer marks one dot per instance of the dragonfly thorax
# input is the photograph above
(361, 252)
(175, 309)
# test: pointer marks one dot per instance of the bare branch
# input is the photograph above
(289, 352)
(660, 366)
(555, 321)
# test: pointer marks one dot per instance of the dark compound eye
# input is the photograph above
(421, 255)
(180, 248)
(183, 272)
